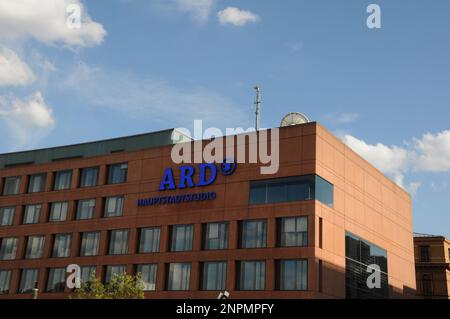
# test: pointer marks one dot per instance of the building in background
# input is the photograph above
(432, 255)
(315, 229)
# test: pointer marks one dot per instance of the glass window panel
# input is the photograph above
(114, 206)
(252, 275)
(35, 247)
(28, 280)
(149, 240)
(148, 273)
(87, 273)
(258, 193)
(293, 231)
(7, 216)
(118, 244)
(56, 281)
(117, 173)
(214, 275)
(179, 276)
(63, 180)
(216, 236)
(292, 275)
(8, 248)
(114, 270)
(5, 280)
(254, 234)
(58, 211)
(89, 177)
(11, 185)
(182, 237)
(61, 245)
(89, 244)
(37, 183)
(31, 214)
(86, 209)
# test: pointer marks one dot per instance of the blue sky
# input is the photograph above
(136, 66)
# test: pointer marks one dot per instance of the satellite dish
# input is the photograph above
(294, 118)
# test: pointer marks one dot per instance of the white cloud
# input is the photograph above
(345, 118)
(46, 21)
(13, 71)
(236, 16)
(29, 119)
(155, 100)
(199, 9)
(431, 153)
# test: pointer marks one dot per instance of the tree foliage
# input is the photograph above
(121, 286)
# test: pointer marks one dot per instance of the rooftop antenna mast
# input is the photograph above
(258, 106)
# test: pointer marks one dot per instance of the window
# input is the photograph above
(28, 280)
(293, 231)
(296, 188)
(89, 244)
(118, 244)
(58, 211)
(179, 276)
(253, 234)
(63, 179)
(117, 173)
(56, 281)
(292, 274)
(61, 245)
(31, 214)
(5, 280)
(111, 271)
(252, 275)
(7, 216)
(89, 177)
(424, 254)
(359, 256)
(11, 185)
(35, 247)
(87, 273)
(8, 248)
(114, 206)
(149, 240)
(216, 236)
(148, 273)
(427, 285)
(214, 275)
(86, 209)
(36, 183)
(182, 236)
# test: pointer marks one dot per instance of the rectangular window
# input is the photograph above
(216, 236)
(182, 237)
(148, 273)
(89, 177)
(61, 245)
(118, 243)
(5, 280)
(293, 231)
(360, 258)
(214, 275)
(149, 240)
(320, 232)
(7, 216)
(179, 276)
(252, 275)
(31, 214)
(11, 185)
(287, 189)
(8, 248)
(58, 211)
(87, 273)
(63, 179)
(114, 206)
(292, 274)
(86, 209)
(112, 271)
(424, 254)
(90, 242)
(56, 281)
(28, 280)
(35, 247)
(253, 234)
(36, 183)
(117, 173)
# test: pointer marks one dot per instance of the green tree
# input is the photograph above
(121, 286)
